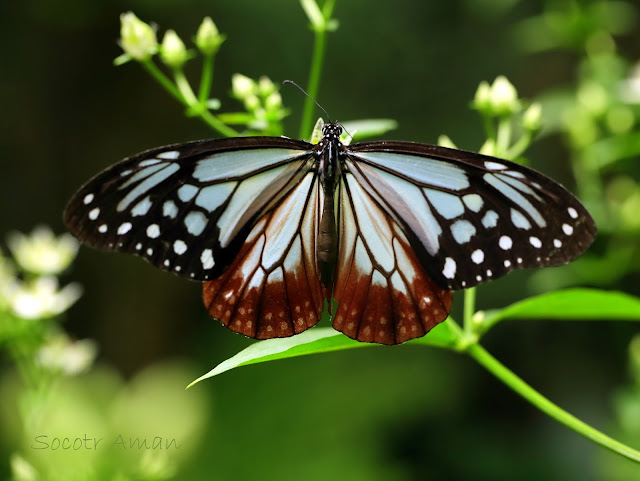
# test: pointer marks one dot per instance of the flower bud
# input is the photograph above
(208, 39)
(137, 39)
(242, 86)
(173, 52)
(482, 99)
(531, 120)
(503, 97)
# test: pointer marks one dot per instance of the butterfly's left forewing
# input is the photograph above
(187, 207)
(468, 217)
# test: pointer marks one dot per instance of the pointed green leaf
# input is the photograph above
(571, 304)
(314, 341)
(361, 129)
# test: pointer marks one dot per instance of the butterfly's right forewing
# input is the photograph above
(187, 207)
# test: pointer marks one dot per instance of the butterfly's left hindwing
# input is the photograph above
(273, 288)
(187, 208)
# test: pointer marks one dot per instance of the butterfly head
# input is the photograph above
(332, 131)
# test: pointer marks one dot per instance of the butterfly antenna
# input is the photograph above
(308, 96)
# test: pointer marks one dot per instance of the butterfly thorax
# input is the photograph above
(329, 171)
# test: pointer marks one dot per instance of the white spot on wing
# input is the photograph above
(124, 228)
(179, 247)
(398, 284)
(169, 154)
(142, 207)
(519, 220)
(170, 209)
(494, 165)
(477, 256)
(535, 242)
(473, 202)
(207, 259)
(213, 196)
(567, 229)
(462, 231)
(148, 162)
(88, 199)
(94, 213)
(195, 222)
(557, 243)
(378, 279)
(572, 212)
(153, 231)
(490, 219)
(449, 270)
(505, 242)
(102, 229)
(447, 205)
(187, 192)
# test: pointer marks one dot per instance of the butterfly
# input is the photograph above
(275, 226)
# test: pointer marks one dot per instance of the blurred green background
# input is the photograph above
(375, 414)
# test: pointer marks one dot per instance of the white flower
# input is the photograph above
(42, 252)
(70, 357)
(41, 298)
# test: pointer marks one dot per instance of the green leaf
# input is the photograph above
(364, 128)
(314, 341)
(571, 304)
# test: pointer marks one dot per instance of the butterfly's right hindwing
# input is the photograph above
(187, 208)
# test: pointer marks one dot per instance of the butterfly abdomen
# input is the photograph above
(327, 247)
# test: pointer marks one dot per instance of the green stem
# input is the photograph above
(503, 137)
(216, 124)
(469, 310)
(538, 400)
(184, 94)
(206, 79)
(314, 81)
(185, 89)
(489, 129)
(163, 80)
(317, 59)
(517, 149)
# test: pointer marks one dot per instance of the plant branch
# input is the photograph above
(477, 352)
(320, 29)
